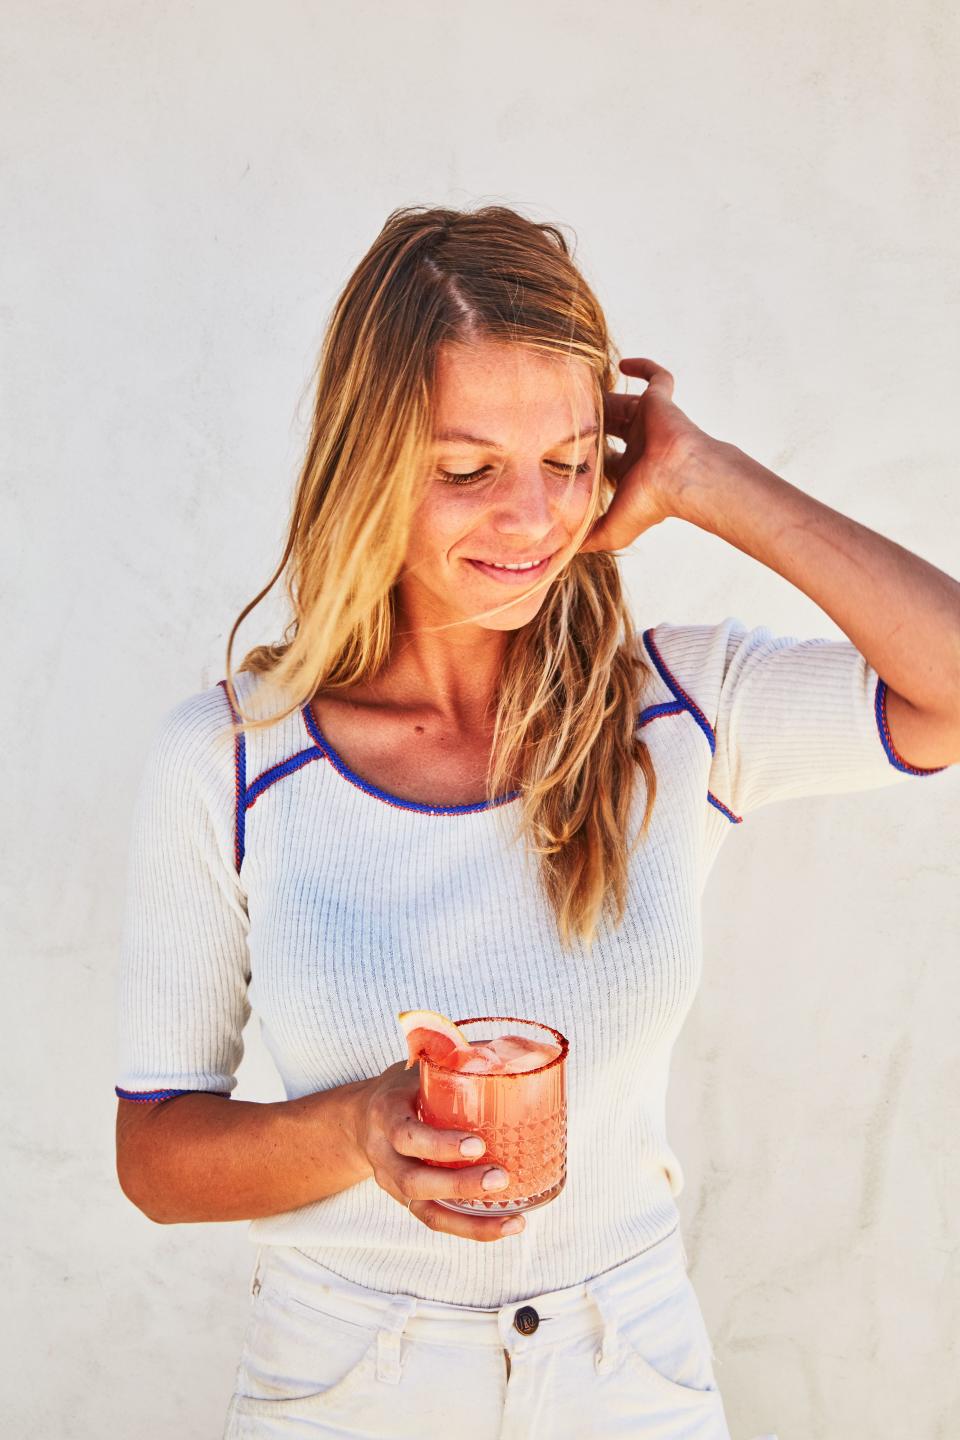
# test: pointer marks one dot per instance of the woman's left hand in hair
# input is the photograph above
(661, 443)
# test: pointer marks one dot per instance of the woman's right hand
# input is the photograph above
(392, 1137)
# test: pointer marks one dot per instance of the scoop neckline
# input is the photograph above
(322, 744)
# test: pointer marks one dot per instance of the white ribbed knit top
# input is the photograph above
(268, 876)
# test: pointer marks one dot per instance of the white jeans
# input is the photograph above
(625, 1354)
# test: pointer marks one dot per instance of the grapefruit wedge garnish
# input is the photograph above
(431, 1034)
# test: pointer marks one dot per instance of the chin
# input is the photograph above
(513, 619)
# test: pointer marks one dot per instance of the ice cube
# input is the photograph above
(509, 1047)
(520, 1053)
(474, 1065)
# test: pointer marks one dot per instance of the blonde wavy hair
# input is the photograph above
(568, 701)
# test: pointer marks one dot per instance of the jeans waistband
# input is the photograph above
(562, 1314)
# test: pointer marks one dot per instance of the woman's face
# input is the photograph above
(529, 487)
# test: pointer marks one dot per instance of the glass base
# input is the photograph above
(500, 1205)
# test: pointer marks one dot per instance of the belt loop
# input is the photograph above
(606, 1357)
(388, 1338)
(255, 1280)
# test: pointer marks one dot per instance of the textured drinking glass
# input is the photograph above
(521, 1116)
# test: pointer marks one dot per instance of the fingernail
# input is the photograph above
(474, 1146)
(510, 1227)
(496, 1180)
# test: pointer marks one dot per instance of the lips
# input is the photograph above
(516, 559)
(531, 560)
(512, 577)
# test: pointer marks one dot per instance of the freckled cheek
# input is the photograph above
(437, 529)
(577, 503)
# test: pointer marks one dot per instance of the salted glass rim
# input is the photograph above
(562, 1040)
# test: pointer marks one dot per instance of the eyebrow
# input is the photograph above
(469, 439)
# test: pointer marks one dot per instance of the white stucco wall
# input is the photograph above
(765, 199)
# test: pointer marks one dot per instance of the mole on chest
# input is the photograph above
(408, 760)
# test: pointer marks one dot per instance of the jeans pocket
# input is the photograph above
(668, 1343)
(299, 1361)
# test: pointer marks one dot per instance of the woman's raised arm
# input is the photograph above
(899, 611)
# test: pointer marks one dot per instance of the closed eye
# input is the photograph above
(456, 479)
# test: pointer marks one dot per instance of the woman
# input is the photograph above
(348, 849)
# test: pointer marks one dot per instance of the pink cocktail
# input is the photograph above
(512, 1091)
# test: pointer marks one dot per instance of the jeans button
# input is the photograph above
(526, 1320)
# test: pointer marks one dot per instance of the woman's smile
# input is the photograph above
(512, 577)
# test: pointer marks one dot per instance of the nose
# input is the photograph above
(522, 504)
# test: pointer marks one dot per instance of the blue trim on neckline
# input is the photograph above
(323, 744)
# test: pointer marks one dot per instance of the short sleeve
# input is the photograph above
(783, 717)
(184, 960)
